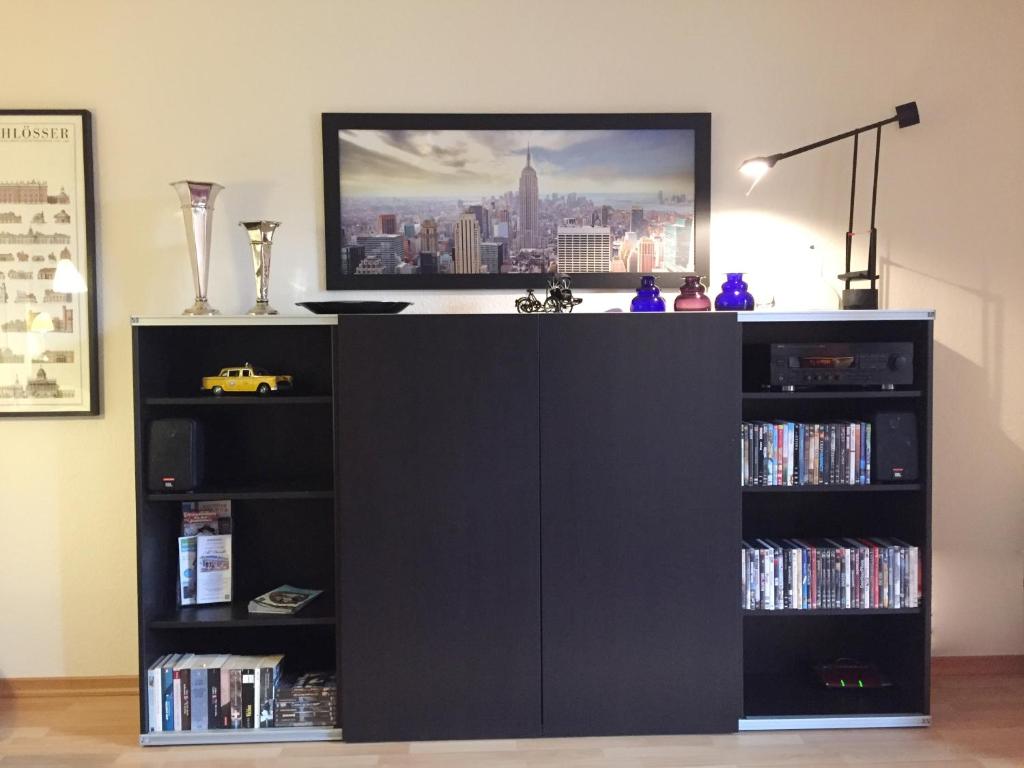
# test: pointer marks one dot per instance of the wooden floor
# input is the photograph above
(978, 721)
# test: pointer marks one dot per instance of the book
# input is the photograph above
(154, 695)
(201, 677)
(250, 682)
(285, 599)
(269, 670)
(213, 569)
(206, 518)
(167, 691)
(182, 714)
(224, 707)
(186, 570)
(232, 715)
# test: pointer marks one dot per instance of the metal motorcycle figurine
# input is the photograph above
(559, 299)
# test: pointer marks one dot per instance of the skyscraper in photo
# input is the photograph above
(683, 244)
(483, 217)
(428, 263)
(467, 245)
(636, 220)
(529, 203)
(388, 224)
(492, 256)
(387, 249)
(646, 254)
(428, 235)
(584, 249)
(351, 257)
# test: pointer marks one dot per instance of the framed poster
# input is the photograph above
(505, 201)
(48, 355)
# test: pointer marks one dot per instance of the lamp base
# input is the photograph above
(860, 298)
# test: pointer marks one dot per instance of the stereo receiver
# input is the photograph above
(885, 364)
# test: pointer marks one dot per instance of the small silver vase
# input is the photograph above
(261, 236)
(197, 209)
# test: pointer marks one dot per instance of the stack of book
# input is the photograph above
(193, 692)
(311, 699)
(792, 453)
(808, 574)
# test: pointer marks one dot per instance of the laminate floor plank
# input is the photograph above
(978, 722)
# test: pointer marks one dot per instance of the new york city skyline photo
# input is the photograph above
(494, 202)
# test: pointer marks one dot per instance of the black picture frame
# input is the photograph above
(332, 123)
(86, 264)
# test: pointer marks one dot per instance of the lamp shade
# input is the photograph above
(756, 167)
(67, 278)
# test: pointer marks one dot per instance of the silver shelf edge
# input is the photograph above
(241, 736)
(836, 315)
(798, 722)
(183, 320)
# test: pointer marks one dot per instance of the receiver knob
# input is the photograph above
(897, 362)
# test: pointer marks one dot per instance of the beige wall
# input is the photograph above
(233, 91)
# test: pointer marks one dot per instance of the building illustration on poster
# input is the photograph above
(45, 336)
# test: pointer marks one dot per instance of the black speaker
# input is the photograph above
(175, 455)
(895, 447)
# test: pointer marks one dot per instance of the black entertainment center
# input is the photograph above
(529, 526)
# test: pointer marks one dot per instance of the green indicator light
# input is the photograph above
(860, 683)
(842, 682)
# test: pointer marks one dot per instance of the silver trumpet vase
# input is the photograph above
(197, 208)
(261, 237)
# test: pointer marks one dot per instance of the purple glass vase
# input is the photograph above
(648, 297)
(691, 296)
(734, 296)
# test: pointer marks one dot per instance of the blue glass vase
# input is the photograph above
(648, 297)
(734, 296)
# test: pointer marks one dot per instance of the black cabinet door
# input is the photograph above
(439, 554)
(640, 524)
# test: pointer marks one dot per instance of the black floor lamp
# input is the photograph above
(853, 298)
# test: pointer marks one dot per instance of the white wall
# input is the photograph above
(233, 91)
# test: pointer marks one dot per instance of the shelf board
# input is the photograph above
(320, 612)
(229, 400)
(860, 394)
(833, 612)
(801, 694)
(245, 494)
(870, 488)
(240, 736)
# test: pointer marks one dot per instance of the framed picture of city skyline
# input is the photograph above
(48, 347)
(508, 200)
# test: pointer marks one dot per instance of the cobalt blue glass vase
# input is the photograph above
(734, 296)
(648, 297)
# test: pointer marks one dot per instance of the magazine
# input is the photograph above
(205, 518)
(186, 570)
(213, 569)
(286, 599)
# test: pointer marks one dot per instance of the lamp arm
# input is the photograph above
(853, 198)
(873, 242)
(833, 139)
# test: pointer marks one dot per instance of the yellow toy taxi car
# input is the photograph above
(245, 378)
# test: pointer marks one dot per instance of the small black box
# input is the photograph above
(175, 455)
(895, 447)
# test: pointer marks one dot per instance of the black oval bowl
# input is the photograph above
(354, 307)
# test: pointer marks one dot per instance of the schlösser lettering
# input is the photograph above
(30, 132)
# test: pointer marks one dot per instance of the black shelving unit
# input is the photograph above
(273, 457)
(497, 508)
(781, 647)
